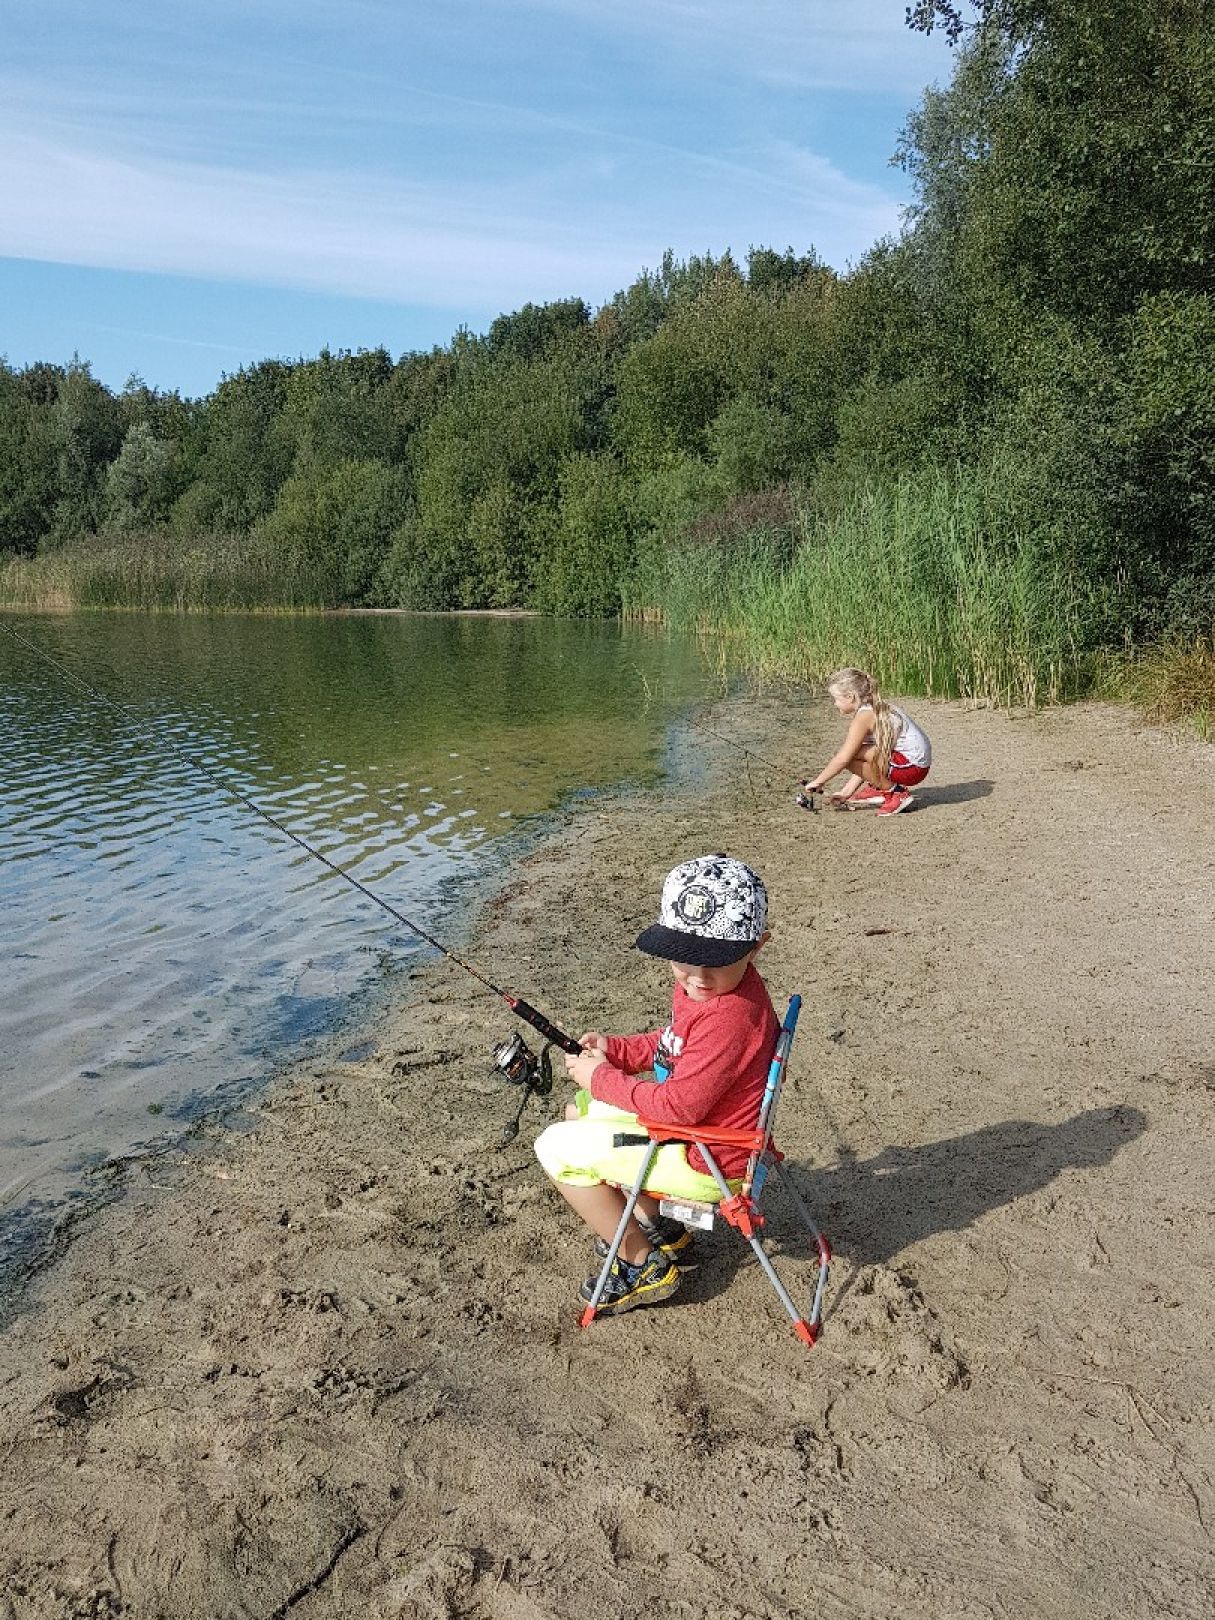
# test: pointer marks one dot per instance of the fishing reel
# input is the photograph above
(515, 1061)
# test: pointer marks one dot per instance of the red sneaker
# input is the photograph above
(867, 795)
(896, 800)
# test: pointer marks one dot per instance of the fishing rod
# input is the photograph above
(506, 1055)
(782, 770)
(803, 800)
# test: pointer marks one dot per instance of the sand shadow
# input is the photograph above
(954, 792)
(873, 1209)
(883, 1205)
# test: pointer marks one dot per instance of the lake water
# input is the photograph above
(164, 949)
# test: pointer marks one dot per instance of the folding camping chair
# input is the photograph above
(742, 1209)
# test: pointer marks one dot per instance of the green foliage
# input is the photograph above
(928, 580)
(333, 410)
(489, 459)
(1096, 186)
(138, 482)
(28, 459)
(978, 461)
(246, 457)
(153, 572)
(331, 527)
(640, 310)
(416, 574)
(751, 444)
(592, 544)
(668, 392)
(1170, 683)
(669, 502)
(1170, 393)
(775, 274)
(536, 329)
(86, 434)
(496, 559)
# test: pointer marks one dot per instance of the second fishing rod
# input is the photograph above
(513, 1059)
(804, 800)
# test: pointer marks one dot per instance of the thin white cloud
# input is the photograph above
(336, 232)
(72, 199)
(836, 44)
(860, 45)
(168, 337)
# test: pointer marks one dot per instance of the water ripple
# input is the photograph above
(162, 943)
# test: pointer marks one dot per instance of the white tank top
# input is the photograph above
(909, 740)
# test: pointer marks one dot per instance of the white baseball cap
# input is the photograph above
(714, 910)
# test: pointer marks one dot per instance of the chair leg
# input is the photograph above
(795, 1316)
(824, 1248)
(630, 1204)
(806, 1328)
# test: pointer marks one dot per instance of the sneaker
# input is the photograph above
(867, 795)
(654, 1278)
(667, 1236)
(896, 800)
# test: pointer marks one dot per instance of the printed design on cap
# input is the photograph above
(713, 910)
(715, 897)
(695, 906)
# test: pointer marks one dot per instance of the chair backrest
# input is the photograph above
(757, 1166)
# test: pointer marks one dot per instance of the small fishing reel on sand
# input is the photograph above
(515, 1061)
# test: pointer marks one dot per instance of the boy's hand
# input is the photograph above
(581, 1068)
(593, 1041)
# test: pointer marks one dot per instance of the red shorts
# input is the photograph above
(904, 774)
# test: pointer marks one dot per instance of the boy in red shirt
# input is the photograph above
(710, 1066)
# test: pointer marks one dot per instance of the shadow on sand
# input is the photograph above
(953, 792)
(873, 1209)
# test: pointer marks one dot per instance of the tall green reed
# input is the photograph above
(161, 573)
(932, 582)
(1171, 684)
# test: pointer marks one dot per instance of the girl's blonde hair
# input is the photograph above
(855, 683)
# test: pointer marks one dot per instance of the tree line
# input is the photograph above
(1042, 330)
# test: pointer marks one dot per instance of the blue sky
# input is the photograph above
(192, 185)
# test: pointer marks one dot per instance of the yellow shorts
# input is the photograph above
(579, 1152)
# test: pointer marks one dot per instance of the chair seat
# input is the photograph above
(711, 1136)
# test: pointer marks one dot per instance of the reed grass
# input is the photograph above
(935, 583)
(160, 573)
(1171, 684)
(931, 582)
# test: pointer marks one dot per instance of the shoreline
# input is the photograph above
(62, 608)
(332, 1365)
(436, 613)
(36, 1247)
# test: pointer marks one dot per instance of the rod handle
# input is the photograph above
(542, 1025)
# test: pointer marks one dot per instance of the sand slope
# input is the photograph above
(331, 1367)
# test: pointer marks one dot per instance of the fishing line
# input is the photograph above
(803, 800)
(699, 725)
(520, 1008)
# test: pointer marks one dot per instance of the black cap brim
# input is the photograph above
(697, 950)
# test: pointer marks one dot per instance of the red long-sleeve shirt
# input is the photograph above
(719, 1053)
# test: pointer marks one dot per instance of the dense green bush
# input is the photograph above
(593, 540)
(979, 459)
(331, 527)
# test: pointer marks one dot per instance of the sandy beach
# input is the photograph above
(327, 1363)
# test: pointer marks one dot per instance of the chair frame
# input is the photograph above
(741, 1209)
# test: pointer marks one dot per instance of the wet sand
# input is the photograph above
(330, 1365)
